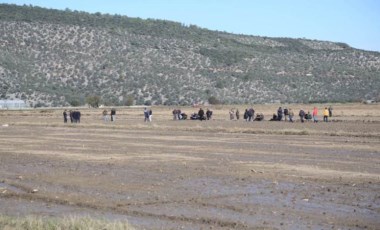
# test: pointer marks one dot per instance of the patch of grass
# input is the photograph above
(42, 223)
(295, 132)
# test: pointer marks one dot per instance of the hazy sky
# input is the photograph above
(355, 22)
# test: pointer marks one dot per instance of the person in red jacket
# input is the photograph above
(315, 115)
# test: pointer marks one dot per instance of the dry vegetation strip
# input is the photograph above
(69, 223)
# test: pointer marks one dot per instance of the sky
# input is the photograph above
(355, 22)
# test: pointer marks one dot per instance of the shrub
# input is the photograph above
(213, 100)
(74, 102)
(129, 101)
(93, 101)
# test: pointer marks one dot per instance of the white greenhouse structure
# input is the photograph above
(13, 104)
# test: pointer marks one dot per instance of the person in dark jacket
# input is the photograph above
(237, 114)
(330, 111)
(251, 114)
(113, 114)
(146, 115)
(302, 115)
(71, 116)
(245, 116)
(279, 114)
(65, 116)
(208, 114)
(79, 114)
(201, 114)
(274, 118)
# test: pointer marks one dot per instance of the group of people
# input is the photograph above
(178, 115)
(106, 118)
(288, 115)
(249, 115)
(234, 114)
(200, 115)
(73, 114)
(285, 113)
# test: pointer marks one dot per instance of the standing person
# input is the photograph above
(208, 114)
(150, 115)
(232, 114)
(251, 114)
(302, 115)
(175, 116)
(291, 115)
(71, 116)
(113, 114)
(326, 115)
(64, 116)
(146, 115)
(75, 116)
(315, 115)
(201, 114)
(279, 114)
(105, 115)
(245, 116)
(237, 114)
(179, 116)
(78, 116)
(330, 111)
(286, 114)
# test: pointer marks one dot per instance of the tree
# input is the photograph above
(93, 101)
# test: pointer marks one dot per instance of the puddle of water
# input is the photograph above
(7, 187)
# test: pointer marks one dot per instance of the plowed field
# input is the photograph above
(218, 174)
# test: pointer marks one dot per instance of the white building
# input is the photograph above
(13, 104)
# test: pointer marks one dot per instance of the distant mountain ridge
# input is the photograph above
(58, 58)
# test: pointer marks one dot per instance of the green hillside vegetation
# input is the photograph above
(59, 58)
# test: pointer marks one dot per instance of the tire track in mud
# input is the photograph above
(26, 193)
(198, 201)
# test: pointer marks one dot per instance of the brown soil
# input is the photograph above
(217, 174)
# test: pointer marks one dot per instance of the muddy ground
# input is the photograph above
(218, 174)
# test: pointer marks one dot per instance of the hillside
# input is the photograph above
(58, 58)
